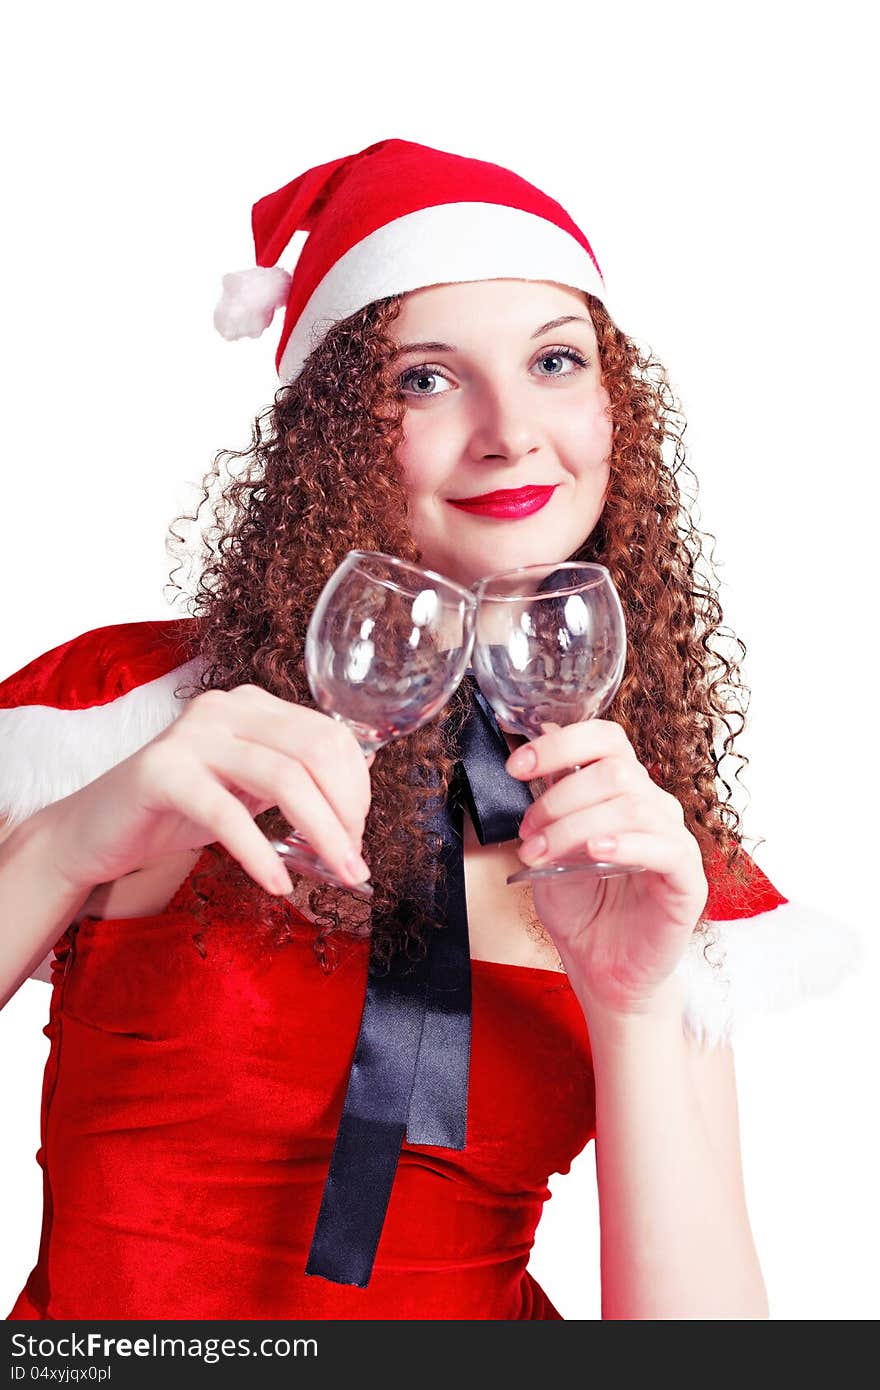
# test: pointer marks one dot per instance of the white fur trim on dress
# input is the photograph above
(437, 246)
(46, 753)
(767, 963)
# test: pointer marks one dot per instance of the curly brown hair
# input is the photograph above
(283, 522)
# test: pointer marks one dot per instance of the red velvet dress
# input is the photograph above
(191, 1099)
(196, 1078)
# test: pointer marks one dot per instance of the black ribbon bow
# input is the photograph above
(409, 1075)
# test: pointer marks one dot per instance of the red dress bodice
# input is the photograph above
(191, 1098)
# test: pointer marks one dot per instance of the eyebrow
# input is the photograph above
(447, 347)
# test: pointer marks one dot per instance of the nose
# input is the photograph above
(504, 426)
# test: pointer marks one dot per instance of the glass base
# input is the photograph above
(588, 868)
(298, 855)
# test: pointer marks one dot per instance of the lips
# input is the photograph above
(506, 502)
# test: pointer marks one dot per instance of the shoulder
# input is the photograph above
(761, 952)
(85, 705)
(100, 665)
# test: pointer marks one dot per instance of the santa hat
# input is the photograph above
(394, 217)
(71, 714)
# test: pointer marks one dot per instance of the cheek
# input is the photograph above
(423, 456)
(587, 438)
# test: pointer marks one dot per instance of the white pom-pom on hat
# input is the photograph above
(249, 300)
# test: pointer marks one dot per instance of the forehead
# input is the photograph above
(514, 304)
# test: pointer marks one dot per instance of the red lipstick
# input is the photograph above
(508, 503)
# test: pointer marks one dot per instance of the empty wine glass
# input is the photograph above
(387, 645)
(550, 649)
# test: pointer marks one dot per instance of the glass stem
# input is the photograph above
(555, 777)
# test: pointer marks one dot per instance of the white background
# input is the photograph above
(721, 163)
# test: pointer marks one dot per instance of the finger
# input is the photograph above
(577, 832)
(205, 802)
(600, 781)
(254, 768)
(559, 749)
(658, 853)
(321, 744)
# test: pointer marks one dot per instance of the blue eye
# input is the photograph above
(423, 373)
(556, 354)
(427, 372)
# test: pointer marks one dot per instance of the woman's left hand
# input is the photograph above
(620, 938)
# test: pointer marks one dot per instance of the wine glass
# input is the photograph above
(387, 645)
(550, 649)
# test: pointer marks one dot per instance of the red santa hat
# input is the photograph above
(73, 713)
(394, 217)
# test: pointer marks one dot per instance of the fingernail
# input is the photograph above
(523, 760)
(281, 880)
(603, 844)
(534, 848)
(356, 869)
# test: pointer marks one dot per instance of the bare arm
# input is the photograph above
(36, 901)
(674, 1230)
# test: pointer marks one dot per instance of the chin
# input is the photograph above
(496, 560)
(501, 554)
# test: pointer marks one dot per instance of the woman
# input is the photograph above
(445, 337)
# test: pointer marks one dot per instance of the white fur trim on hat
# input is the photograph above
(249, 300)
(448, 244)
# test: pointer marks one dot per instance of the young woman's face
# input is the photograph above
(500, 397)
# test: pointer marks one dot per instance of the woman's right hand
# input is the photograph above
(227, 758)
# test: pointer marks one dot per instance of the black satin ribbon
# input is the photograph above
(409, 1075)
